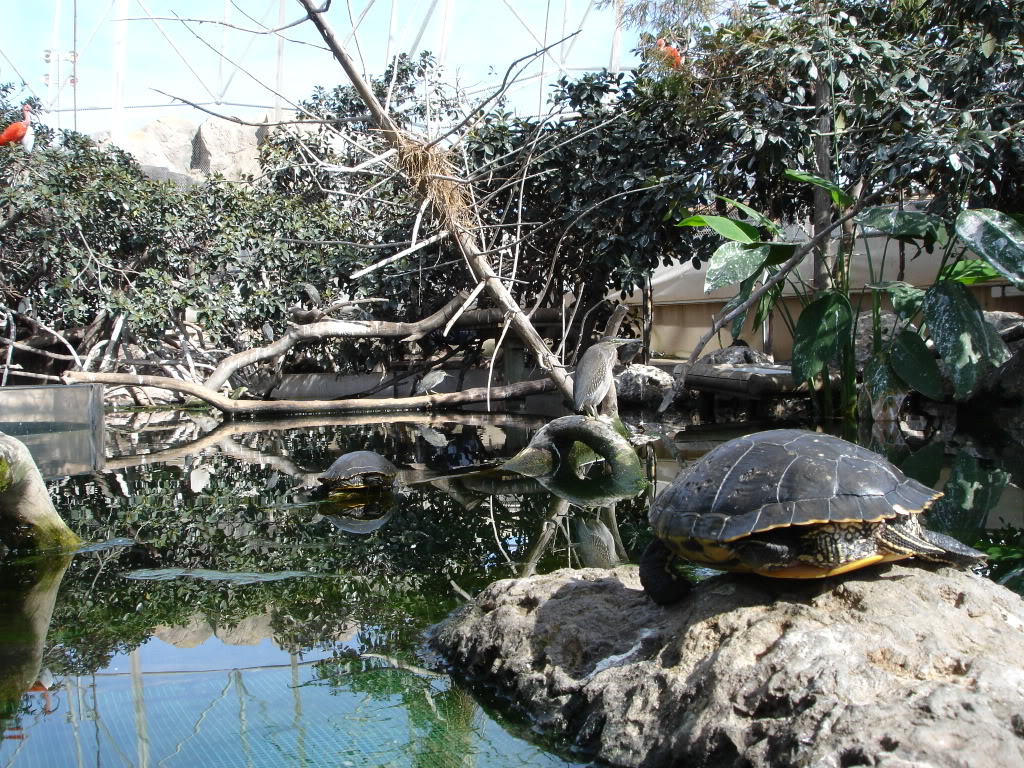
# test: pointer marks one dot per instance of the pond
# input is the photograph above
(224, 616)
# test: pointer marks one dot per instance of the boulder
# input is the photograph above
(893, 666)
(226, 148)
(643, 385)
(164, 143)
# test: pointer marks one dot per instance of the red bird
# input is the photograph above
(21, 131)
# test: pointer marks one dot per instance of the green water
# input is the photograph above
(232, 621)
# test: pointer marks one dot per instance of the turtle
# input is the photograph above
(789, 503)
(359, 470)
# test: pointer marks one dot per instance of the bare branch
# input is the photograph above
(400, 255)
(232, 407)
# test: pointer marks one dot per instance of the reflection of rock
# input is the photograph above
(894, 666)
(196, 632)
(250, 631)
(28, 591)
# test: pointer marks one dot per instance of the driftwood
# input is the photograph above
(231, 407)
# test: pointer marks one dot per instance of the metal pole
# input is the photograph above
(615, 61)
(74, 64)
(117, 80)
(280, 64)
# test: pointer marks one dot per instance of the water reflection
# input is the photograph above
(184, 648)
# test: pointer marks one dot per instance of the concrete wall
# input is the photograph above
(62, 426)
(678, 327)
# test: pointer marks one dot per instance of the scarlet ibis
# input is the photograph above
(21, 131)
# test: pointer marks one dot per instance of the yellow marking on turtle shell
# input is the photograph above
(807, 571)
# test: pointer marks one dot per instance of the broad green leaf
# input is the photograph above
(779, 253)
(759, 218)
(905, 298)
(767, 303)
(969, 495)
(970, 271)
(839, 197)
(883, 392)
(731, 229)
(905, 224)
(823, 328)
(963, 337)
(913, 362)
(997, 238)
(925, 465)
(732, 263)
(744, 293)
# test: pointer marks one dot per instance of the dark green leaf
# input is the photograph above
(997, 238)
(883, 391)
(963, 337)
(732, 263)
(779, 253)
(744, 293)
(905, 298)
(732, 229)
(821, 331)
(913, 362)
(839, 197)
(912, 225)
(925, 465)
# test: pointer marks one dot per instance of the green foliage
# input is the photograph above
(912, 358)
(822, 330)
(963, 337)
(997, 238)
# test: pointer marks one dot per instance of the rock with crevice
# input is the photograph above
(643, 385)
(894, 666)
(228, 148)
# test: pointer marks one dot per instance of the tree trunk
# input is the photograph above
(823, 253)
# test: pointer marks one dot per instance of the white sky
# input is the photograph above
(483, 38)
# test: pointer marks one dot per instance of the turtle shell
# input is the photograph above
(359, 469)
(781, 478)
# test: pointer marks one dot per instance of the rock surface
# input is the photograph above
(227, 148)
(643, 385)
(894, 666)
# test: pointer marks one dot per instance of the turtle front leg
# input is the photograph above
(660, 580)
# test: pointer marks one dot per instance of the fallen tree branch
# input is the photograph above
(263, 407)
(332, 329)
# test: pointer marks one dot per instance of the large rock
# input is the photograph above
(895, 666)
(227, 148)
(643, 385)
(163, 143)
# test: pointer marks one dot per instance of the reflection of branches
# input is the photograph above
(227, 430)
(557, 514)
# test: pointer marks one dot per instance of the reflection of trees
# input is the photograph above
(442, 718)
(249, 517)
